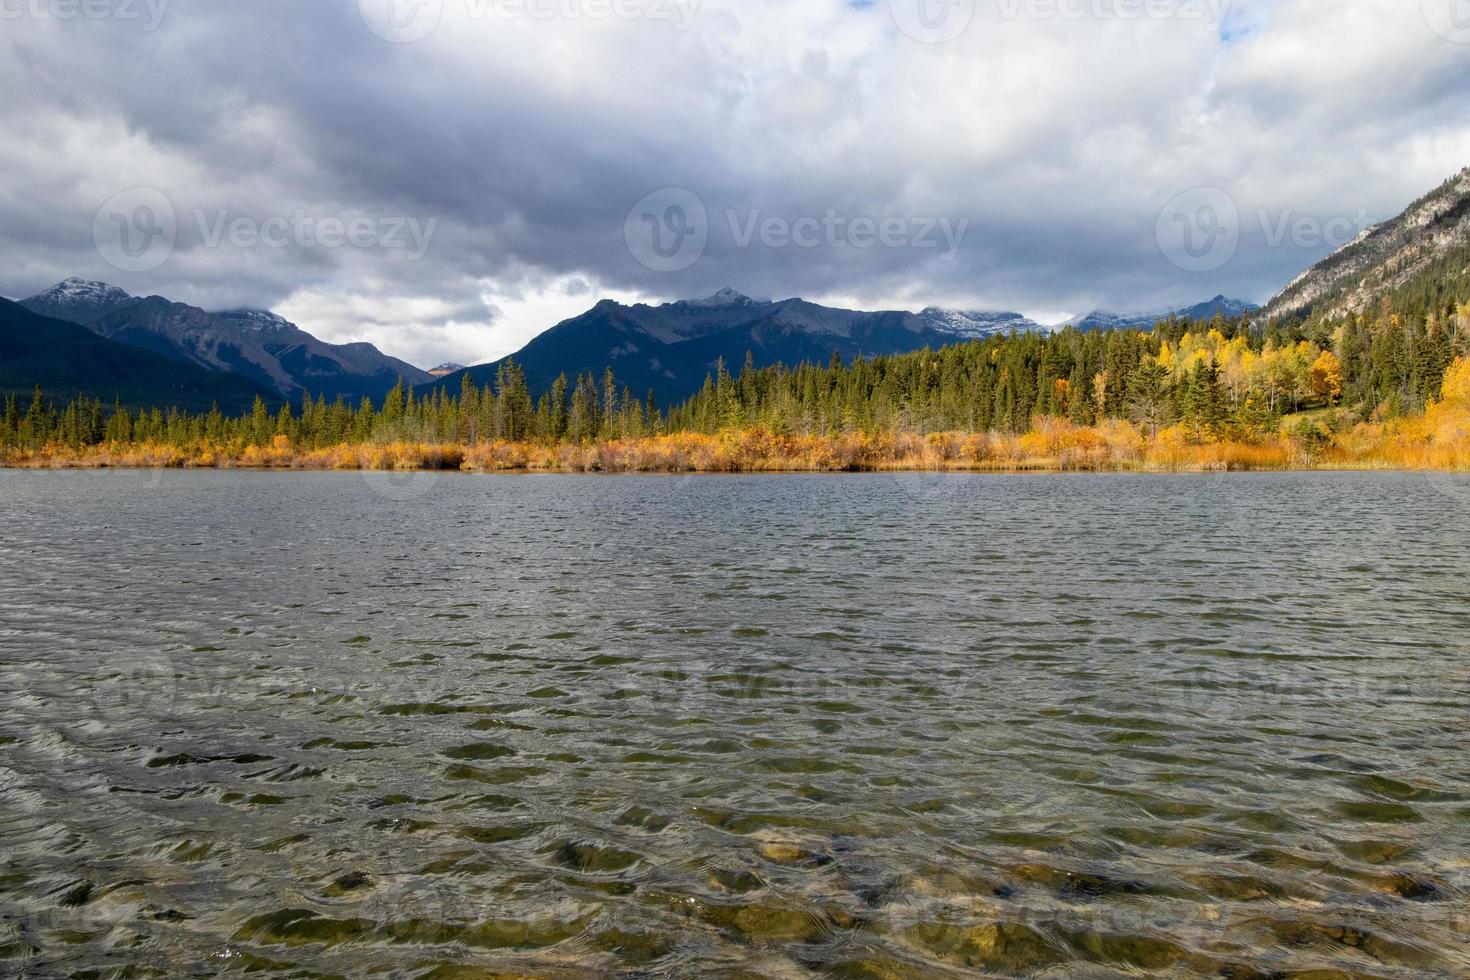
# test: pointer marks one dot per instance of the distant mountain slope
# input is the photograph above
(192, 336)
(77, 301)
(67, 360)
(977, 325)
(350, 370)
(1384, 257)
(670, 349)
(255, 344)
(1107, 320)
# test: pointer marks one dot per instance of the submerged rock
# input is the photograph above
(1410, 886)
(778, 853)
(1076, 884)
(768, 923)
(583, 856)
(1005, 946)
(350, 882)
(1147, 952)
(633, 948)
(1236, 888)
(298, 927)
(738, 882)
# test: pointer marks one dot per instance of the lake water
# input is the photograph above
(857, 726)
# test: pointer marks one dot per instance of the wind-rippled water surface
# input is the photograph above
(858, 726)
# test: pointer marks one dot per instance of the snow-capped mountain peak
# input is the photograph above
(1144, 320)
(973, 324)
(78, 289)
(78, 300)
(725, 297)
(259, 321)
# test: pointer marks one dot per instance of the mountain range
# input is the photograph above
(68, 360)
(260, 347)
(671, 349)
(667, 349)
(1230, 309)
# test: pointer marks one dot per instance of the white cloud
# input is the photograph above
(427, 331)
(1059, 138)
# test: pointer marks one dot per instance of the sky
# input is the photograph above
(448, 178)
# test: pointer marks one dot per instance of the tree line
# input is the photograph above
(1218, 379)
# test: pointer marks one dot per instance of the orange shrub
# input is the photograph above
(1438, 439)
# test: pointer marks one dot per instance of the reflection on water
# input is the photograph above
(868, 726)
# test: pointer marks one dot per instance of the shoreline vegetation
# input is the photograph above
(1054, 446)
(1438, 439)
(1182, 398)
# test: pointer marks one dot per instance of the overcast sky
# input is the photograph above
(447, 178)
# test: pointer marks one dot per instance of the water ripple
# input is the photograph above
(1059, 726)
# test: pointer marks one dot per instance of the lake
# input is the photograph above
(861, 726)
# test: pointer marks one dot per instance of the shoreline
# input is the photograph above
(1038, 469)
(1438, 441)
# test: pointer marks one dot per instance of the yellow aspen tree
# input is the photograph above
(1326, 377)
(1166, 357)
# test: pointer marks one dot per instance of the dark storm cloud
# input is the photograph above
(1053, 142)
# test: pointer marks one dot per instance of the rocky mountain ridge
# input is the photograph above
(671, 348)
(1383, 257)
(1107, 320)
(258, 345)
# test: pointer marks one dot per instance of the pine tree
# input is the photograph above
(260, 427)
(1148, 396)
